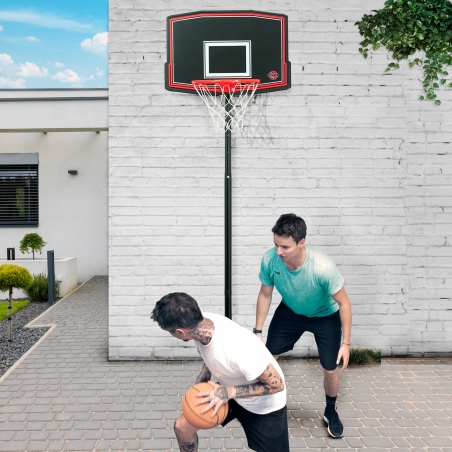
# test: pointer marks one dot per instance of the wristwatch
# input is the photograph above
(256, 331)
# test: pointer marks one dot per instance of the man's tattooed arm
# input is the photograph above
(269, 382)
(204, 375)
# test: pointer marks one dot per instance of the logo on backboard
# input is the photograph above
(273, 75)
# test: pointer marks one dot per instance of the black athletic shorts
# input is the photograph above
(287, 327)
(264, 432)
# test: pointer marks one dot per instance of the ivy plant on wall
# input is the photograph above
(407, 26)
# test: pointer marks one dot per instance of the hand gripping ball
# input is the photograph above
(193, 413)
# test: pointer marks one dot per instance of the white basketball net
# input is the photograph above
(226, 102)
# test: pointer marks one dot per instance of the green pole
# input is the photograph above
(228, 219)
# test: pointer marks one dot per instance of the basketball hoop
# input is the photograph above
(227, 100)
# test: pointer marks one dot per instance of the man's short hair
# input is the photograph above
(177, 310)
(289, 225)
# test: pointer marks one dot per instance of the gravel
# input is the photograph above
(23, 338)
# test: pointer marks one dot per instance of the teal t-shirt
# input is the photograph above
(308, 289)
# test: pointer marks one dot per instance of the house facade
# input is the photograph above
(53, 173)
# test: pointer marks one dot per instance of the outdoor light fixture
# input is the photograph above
(74, 172)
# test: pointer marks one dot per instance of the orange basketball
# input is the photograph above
(193, 413)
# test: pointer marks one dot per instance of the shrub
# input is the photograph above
(38, 290)
(363, 357)
(13, 276)
(32, 242)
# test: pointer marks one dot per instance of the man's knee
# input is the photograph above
(329, 373)
(181, 425)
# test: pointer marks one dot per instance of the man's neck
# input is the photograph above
(204, 331)
(298, 260)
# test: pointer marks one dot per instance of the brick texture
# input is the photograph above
(349, 148)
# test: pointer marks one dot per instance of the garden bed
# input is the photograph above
(23, 338)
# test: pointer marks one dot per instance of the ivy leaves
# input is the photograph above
(407, 26)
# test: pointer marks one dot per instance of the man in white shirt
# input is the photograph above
(248, 376)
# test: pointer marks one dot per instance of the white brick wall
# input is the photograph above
(348, 147)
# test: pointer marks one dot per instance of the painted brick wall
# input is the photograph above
(348, 147)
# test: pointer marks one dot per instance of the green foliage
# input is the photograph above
(407, 26)
(32, 242)
(363, 357)
(17, 306)
(14, 276)
(38, 290)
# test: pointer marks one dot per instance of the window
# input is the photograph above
(19, 201)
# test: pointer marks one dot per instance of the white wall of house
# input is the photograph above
(73, 210)
(349, 148)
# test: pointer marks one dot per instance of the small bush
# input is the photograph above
(13, 276)
(38, 290)
(363, 357)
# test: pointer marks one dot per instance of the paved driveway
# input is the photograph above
(66, 396)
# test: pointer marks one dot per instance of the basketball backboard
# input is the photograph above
(227, 45)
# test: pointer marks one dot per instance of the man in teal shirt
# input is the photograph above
(313, 299)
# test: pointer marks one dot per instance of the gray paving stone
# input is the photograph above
(102, 445)
(38, 446)
(110, 434)
(38, 436)
(93, 434)
(156, 444)
(14, 446)
(7, 436)
(133, 445)
(79, 446)
(56, 446)
(233, 443)
(22, 436)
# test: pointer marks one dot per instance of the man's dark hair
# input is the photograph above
(289, 225)
(177, 310)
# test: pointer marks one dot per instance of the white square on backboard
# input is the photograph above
(208, 72)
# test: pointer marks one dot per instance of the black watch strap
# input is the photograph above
(256, 331)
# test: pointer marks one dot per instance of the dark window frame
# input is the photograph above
(19, 195)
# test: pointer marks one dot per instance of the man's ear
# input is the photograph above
(180, 332)
(302, 242)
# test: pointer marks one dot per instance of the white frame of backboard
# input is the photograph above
(208, 74)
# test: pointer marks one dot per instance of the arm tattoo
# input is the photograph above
(222, 393)
(270, 382)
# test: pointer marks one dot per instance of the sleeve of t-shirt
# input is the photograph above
(252, 360)
(265, 274)
(330, 278)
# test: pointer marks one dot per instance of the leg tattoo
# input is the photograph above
(184, 445)
(187, 447)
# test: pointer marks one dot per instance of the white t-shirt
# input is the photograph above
(236, 356)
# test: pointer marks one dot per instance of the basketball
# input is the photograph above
(193, 413)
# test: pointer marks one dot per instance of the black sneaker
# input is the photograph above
(335, 427)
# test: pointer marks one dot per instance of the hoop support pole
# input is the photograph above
(228, 220)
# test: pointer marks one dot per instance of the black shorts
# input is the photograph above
(287, 327)
(264, 432)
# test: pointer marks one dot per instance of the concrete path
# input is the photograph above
(66, 396)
